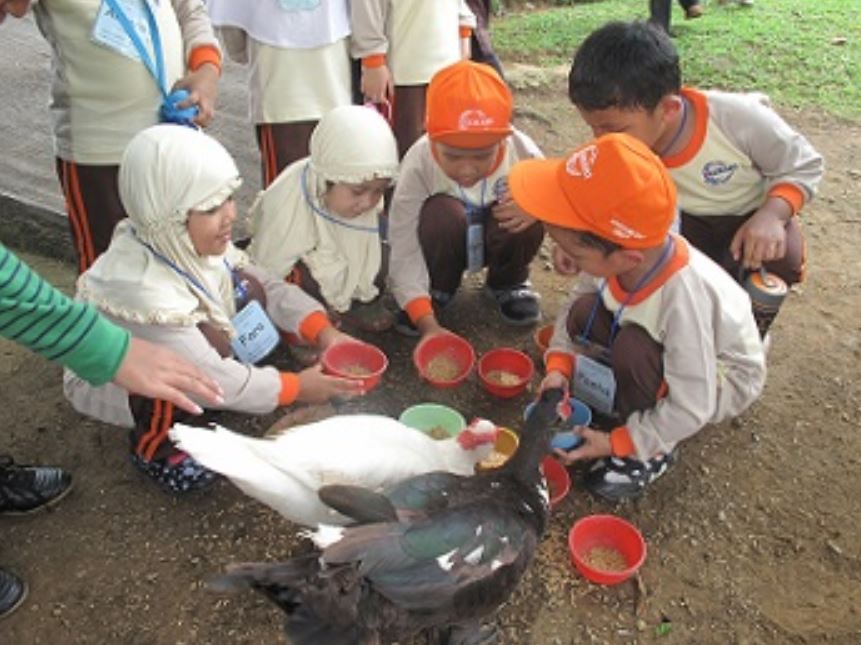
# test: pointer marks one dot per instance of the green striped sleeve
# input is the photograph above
(36, 315)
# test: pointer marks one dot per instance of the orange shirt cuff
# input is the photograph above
(202, 55)
(289, 388)
(313, 324)
(620, 442)
(374, 60)
(465, 32)
(789, 193)
(418, 308)
(559, 362)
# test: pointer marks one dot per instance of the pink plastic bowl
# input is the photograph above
(452, 346)
(610, 532)
(506, 360)
(342, 358)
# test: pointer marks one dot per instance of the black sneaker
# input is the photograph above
(25, 489)
(518, 305)
(179, 473)
(13, 591)
(616, 479)
(405, 326)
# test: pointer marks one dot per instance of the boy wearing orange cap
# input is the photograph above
(451, 211)
(655, 335)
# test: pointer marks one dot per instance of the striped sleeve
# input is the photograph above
(36, 315)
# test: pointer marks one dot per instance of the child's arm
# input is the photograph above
(466, 24)
(370, 44)
(203, 57)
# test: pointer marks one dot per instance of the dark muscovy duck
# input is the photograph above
(438, 551)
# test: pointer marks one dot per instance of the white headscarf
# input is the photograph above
(151, 273)
(351, 144)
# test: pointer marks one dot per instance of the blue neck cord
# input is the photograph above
(326, 216)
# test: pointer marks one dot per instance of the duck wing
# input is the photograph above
(360, 504)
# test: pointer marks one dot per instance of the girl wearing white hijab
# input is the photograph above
(317, 224)
(170, 276)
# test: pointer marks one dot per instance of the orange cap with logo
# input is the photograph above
(614, 187)
(468, 106)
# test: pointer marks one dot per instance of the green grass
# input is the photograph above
(785, 48)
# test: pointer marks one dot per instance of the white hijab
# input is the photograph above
(350, 144)
(151, 273)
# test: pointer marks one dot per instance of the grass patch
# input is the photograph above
(785, 48)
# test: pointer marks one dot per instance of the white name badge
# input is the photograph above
(256, 336)
(108, 31)
(594, 384)
(475, 247)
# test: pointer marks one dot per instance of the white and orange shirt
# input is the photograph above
(713, 358)
(102, 98)
(740, 153)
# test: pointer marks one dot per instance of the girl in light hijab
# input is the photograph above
(171, 275)
(317, 224)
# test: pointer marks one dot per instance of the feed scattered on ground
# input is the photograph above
(501, 377)
(442, 368)
(605, 559)
(437, 432)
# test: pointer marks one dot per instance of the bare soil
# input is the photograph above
(753, 536)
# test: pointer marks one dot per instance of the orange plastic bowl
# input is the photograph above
(609, 532)
(542, 337)
(508, 361)
(558, 480)
(358, 361)
(452, 347)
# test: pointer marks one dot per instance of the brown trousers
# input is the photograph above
(442, 235)
(93, 207)
(636, 358)
(281, 144)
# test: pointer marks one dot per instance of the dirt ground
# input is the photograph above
(752, 536)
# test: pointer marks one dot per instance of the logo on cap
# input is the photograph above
(581, 163)
(474, 120)
(624, 232)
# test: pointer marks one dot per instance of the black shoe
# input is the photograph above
(25, 489)
(13, 591)
(179, 473)
(405, 326)
(616, 479)
(518, 304)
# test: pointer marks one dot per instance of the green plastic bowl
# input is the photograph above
(426, 416)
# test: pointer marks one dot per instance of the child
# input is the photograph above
(104, 92)
(317, 223)
(451, 210)
(172, 276)
(742, 173)
(299, 68)
(654, 331)
(402, 43)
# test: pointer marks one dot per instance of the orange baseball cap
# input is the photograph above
(614, 187)
(468, 106)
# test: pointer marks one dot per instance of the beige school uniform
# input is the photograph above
(420, 178)
(713, 359)
(100, 98)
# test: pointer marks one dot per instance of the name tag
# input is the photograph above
(256, 336)
(475, 247)
(299, 5)
(108, 31)
(594, 384)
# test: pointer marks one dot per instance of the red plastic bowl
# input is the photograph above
(558, 480)
(507, 360)
(542, 337)
(611, 532)
(453, 347)
(342, 358)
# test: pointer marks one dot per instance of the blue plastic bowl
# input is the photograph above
(567, 439)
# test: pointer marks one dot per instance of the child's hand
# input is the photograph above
(429, 326)
(596, 444)
(317, 387)
(332, 336)
(202, 86)
(17, 8)
(511, 217)
(552, 380)
(563, 263)
(762, 238)
(377, 85)
(465, 48)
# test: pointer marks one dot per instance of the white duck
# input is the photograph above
(285, 471)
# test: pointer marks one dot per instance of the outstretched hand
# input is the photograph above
(596, 444)
(158, 373)
(202, 86)
(317, 387)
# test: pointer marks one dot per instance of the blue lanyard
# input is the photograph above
(614, 328)
(471, 208)
(326, 216)
(157, 69)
